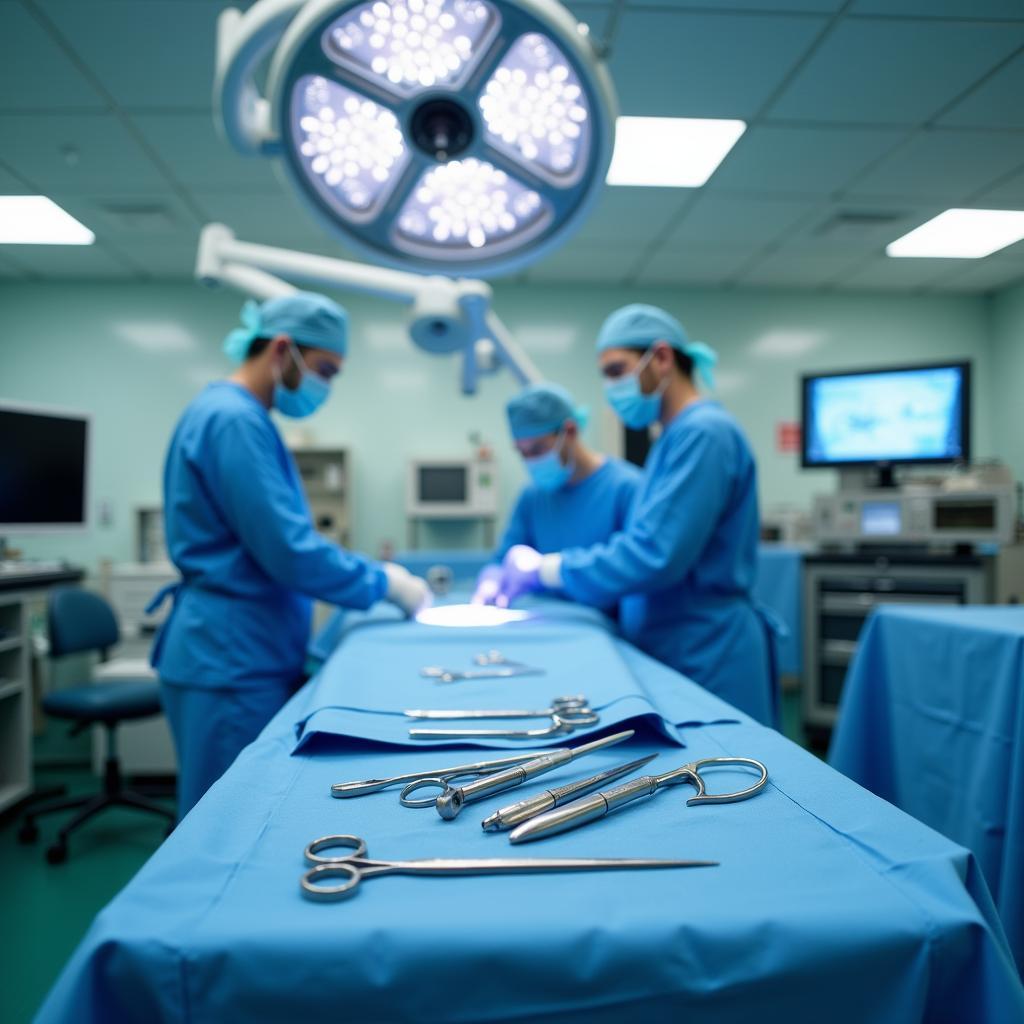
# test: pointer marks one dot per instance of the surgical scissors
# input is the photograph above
(355, 866)
(440, 776)
(561, 725)
(597, 805)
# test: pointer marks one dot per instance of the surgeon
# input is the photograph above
(683, 566)
(575, 495)
(239, 531)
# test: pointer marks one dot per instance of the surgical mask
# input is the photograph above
(631, 405)
(547, 471)
(304, 400)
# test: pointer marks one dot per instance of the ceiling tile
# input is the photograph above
(734, 220)
(163, 260)
(990, 274)
(765, 6)
(997, 103)
(11, 272)
(847, 226)
(199, 158)
(170, 60)
(803, 270)
(942, 8)
(888, 71)
(112, 216)
(54, 261)
(806, 161)
(698, 264)
(1008, 193)
(944, 164)
(105, 156)
(581, 261)
(896, 274)
(633, 214)
(35, 73)
(673, 63)
(12, 186)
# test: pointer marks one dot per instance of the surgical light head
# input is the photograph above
(453, 136)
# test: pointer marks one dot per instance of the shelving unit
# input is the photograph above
(326, 475)
(15, 701)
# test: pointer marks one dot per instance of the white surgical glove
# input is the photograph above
(410, 593)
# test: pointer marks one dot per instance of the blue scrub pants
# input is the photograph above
(210, 727)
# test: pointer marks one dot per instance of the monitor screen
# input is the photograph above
(880, 518)
(42, 468)
(449, 484)
(917, 414)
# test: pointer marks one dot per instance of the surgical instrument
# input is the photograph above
(571, 708)
(454, 798)
(454, 675)
(560, 725)
(496, 658)
(589, 808)
(342, 790)
(355, 866)
(515, 814)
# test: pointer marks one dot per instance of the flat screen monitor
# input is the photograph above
(443, 484)
(885, 417)
(43, 468)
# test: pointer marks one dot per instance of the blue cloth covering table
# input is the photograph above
(932, 719)
(828, 902)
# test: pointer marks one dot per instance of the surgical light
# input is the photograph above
(451, 136)
(963, 234)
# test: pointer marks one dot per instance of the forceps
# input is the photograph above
(561, 725)
(573, 709)
(454, 675)
(589, 808)
(355, 866)
(439, 776)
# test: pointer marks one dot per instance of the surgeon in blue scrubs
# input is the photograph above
(684, 565)
(575, 496)
(239, 531)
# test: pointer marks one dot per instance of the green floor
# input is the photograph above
(45, 910)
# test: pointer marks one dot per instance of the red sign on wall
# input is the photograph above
(787, 436)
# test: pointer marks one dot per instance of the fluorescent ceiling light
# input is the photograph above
(36, 220)
(677, 152)
(961, 234)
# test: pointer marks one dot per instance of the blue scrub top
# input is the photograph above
(684, 566)
(240, 533)
(586, 512)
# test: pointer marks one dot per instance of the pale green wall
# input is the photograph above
(133, 355)
(1008, 376)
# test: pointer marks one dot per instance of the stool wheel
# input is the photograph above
(28, 833)
(57, 854)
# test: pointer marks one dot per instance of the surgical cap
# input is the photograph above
(542, 409)
(306, 317)
(640, 326)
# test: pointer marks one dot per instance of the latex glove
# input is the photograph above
(411, 593)
(488, 585)
(520, 574)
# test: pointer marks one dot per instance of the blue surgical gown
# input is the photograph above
(582, 513)
(239, 531)
(683, 567)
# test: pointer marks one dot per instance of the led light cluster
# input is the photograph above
(468, 203)
(412, 44)
(534, 105)
(355, 146)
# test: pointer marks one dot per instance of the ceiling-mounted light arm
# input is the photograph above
(243, 41)
(447, 315)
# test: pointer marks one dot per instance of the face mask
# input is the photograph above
(311, 393)
(547, 471)
(631, 405)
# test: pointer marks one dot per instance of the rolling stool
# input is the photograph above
(83, 621)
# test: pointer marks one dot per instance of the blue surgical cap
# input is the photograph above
(542, 409)
(640, 326)
(306, 317)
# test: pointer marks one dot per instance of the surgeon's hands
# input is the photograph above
(488, 585)
(410, 593)
(520, 574)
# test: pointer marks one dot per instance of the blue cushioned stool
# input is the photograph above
(83, 621)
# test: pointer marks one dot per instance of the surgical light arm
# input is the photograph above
(447, 315)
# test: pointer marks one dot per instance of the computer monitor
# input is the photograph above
(885, 417)
(44, 456)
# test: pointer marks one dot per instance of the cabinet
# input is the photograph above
(15, 702)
